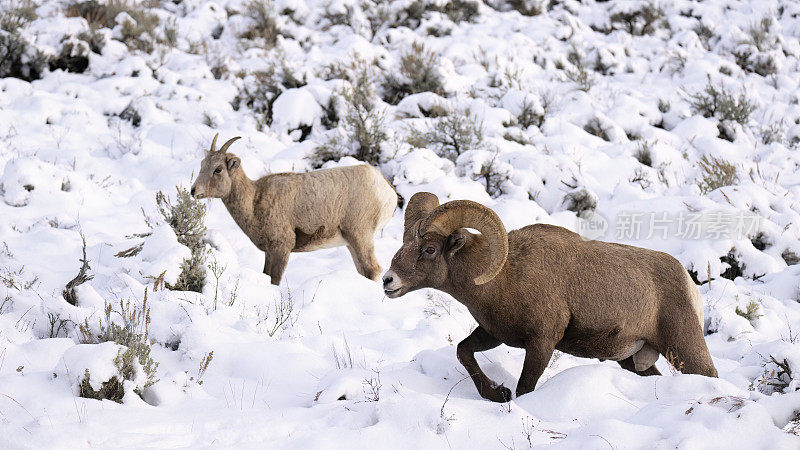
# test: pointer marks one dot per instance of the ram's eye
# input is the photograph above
(430, 250)
(218, 171)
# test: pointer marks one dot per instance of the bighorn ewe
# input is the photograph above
(543, 288)
(300, 212)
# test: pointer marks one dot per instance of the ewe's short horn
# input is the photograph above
(213, 144)
(467, 214)
(228, 144)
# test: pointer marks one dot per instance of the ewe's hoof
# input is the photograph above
(499, 394)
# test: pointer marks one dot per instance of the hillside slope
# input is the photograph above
(674, 127)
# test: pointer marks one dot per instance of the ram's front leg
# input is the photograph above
(480, 340)
(537, 355)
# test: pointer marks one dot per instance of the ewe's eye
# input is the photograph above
(430, 250)
(218, 171)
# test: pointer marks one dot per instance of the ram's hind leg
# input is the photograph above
(628, 364)
(480, 340)
(537, 354)
(685, 348)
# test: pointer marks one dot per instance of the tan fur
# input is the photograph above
(557, 291)
(300, 212)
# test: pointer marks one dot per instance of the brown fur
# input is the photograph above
(298, 212)
(556, 291)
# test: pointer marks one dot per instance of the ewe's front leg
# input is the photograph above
(267, 263)
(480, 340)
(275, 263)
(362, 249)
(537, 355)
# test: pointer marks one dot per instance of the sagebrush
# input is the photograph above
(187, 218)
(133, 334)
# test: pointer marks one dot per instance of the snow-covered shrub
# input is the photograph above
(98, 15)
(750, 312)
(136, 28)
(791, 258)
(483, 166)
(450, 136)
(361, 130)
(715, 101)
(366, 17)
(716, 173)
(581, 77)
(644, 154)
(760, 52)
(528, 110)
(461, 10)
(131, 23)
(132, 361)
(598, 126)
(131, 113)
(415, 13)
(580, 200)
(637, 18)
(74, 55)
(264, 22)
(734, 268)
(15, 14)
(418, 72)
(258, 90)
(18, 57)
(524, 7)
(91, 371)
(186, 217)
(774, 132)
(14, 61)
(778, 376)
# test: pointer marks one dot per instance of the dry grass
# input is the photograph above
(716, 173)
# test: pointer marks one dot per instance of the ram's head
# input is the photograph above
(433, 236)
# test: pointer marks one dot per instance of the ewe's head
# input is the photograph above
(434, 234)
(214, 179)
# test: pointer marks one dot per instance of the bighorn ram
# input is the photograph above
(300, 212)
(543, 287)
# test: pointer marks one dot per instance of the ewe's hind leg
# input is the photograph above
(363, 252)
(479, 341)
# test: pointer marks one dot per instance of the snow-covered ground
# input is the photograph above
(611, 128)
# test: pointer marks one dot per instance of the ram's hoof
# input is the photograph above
(499, 394)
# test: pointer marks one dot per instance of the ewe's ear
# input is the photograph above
(455, 241)
(420, 205)
(232, 161)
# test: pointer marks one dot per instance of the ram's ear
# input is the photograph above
(455, 241)
(420, 205)
(232, 162)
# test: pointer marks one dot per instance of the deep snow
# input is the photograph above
(70, 164)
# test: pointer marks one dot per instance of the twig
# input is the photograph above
(82, 277)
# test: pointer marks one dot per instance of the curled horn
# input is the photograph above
(213, 144)
(228, 144)
(468, 214)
